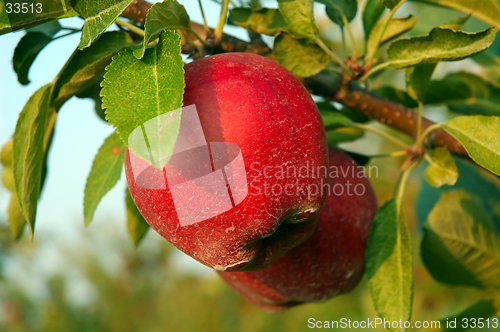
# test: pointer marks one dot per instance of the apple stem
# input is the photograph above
(222, 22)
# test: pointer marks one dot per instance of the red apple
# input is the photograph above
(254, 104)
(331, 261)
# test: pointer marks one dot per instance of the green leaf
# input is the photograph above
(334, 120)
(343, 134)
(267, 21)
(336, 9)
(161, 73)
(395, 95)
(303, 57)
(459, 246)
(168, 14)
(31, 137)
(105, 173)
(326, 106)
(480, 135)
(298, 16)
(389, 267)
(439, 45)
(136, 225)
(15, 216)
(50, 10)
(391, 3)
(99, 15)
(442, 169)
(87, 67)
(474, 180)
(395, 28)
(25, 53)
(371, 14)
(465, 93)
(481, 309)
(417, 79)
(485, 10)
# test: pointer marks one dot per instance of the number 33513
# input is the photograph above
(23, 8)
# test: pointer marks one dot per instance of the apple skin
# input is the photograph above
(330, 262)
(257, 104)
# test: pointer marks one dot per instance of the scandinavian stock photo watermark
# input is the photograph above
(263, 180)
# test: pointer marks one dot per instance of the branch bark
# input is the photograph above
(330, 87)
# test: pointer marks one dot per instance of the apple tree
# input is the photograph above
(133, 47)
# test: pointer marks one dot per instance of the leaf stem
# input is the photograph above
(374, 70)
(205, 25)
(369, 61)
(419, 121)
(332, 55)
(383, 134)
(399, 153)
(351, 36)
(427, 132)
(401, 184)
(130, 26)
(196, 36)
(222, 22)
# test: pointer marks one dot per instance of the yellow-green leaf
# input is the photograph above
(442, 168)
(99, 15)
(485, 10)
(267, 21)
(389, 267)
(480, 135)
(440, 45)
(459, 246)
(298, 16)
(105, 173)
(303, 57)
(136, 225)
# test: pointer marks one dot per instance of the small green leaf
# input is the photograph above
(343, 135)
(25, 53)
(371, 14)
(480, 135)
(298, 16)
(482, 309)
(168, 14)
(161, 74)
(31, 136)
(15, 216)
(326, 106)
(417, 79)
(99, 15)
(303, 57)
(267, 21)
(465, 93)
(136, 225)
(439, 45)
(442, 169)
(334, 120)
(105, 173)
(485, 10)
(395, 28)
(44, 11)
(389, 266)
(87, 67)
(391, 3)
(459, 246)
(474, 180)
(337, 9)
(395, 95)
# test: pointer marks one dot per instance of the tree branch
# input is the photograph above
(328, 86)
